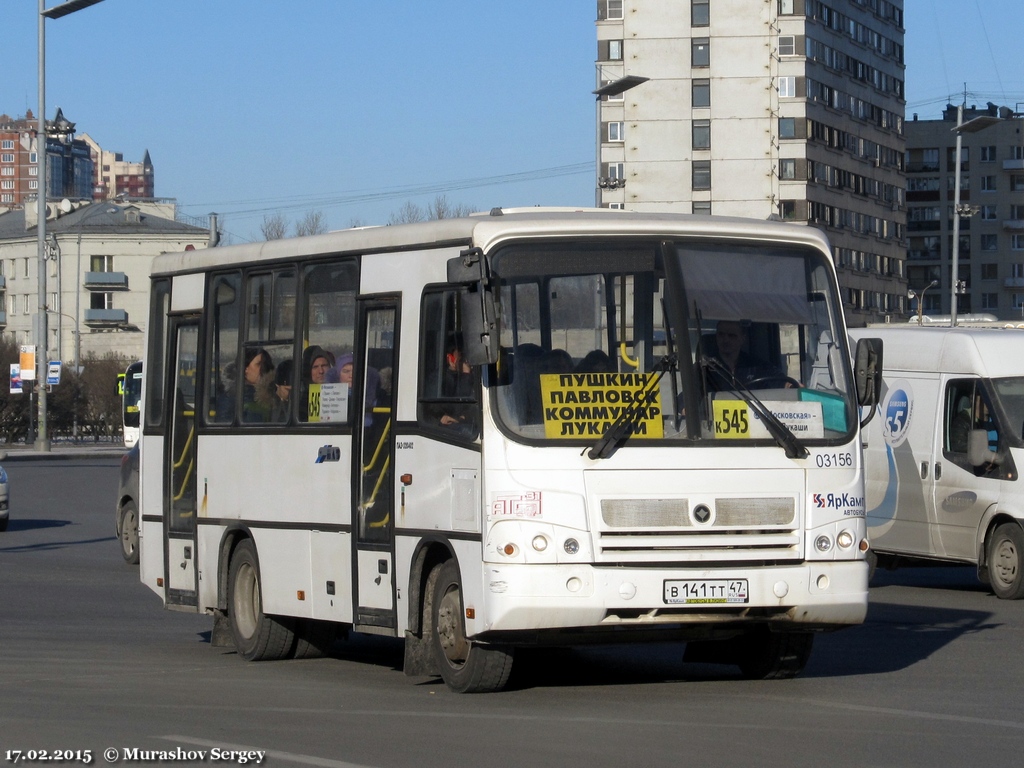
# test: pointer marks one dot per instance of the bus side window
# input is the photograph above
(225, 306)
(328, 322)
(449, 389)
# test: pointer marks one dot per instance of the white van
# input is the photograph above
(941, 461)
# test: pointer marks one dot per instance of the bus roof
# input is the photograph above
(486, 230)
(989, 352)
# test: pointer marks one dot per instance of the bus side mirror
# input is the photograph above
(867, 374)
(479, 328)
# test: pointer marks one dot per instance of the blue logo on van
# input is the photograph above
(898, 410)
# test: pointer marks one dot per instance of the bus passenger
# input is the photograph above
(731, 342)
(257, 375)
(282, 391)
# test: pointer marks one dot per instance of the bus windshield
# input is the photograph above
(683, 341)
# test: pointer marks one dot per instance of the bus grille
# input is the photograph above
(727, 529)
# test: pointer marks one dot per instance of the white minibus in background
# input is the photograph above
(942, 477)
(131, 401)
(509, 429)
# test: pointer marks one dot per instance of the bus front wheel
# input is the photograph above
(1005, 564)
(465, 666)
(257, 637)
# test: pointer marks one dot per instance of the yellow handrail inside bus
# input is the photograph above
(380, 445)
(626, 358)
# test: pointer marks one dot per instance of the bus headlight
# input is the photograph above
(540, 542)
(823, 543)
(571, 546)
(845, 539)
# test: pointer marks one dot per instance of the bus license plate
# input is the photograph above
(706, 591)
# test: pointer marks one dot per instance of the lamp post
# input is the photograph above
(971, 126)
(614, 88)
(41, 331)
(920, 300)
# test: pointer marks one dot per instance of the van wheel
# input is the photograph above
(466, 666)
(1005, 564)
(129, 528)
(767, 655)
(257, 637)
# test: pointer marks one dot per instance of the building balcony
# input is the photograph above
(3, 283)
(1013, 165)
(3, 319)
(106, 318)
(1013, 283)
(106, 281)
(1014, 225)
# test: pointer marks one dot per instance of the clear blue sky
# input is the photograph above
(251, 107)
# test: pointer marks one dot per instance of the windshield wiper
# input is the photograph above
(779, 431)
(620, 430)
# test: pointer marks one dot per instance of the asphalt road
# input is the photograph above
(89, 660)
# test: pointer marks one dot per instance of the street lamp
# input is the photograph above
(971, 126)
(41, 331)
(920, 300)
(614, 88)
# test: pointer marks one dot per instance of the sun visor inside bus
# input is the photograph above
(746, 286)
(512, 262)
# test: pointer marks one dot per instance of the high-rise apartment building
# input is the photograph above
(115, 176)
(990, 252)
(760, 108)
(69, 170)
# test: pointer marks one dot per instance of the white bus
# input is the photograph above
(540, 443)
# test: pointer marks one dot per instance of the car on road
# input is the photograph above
(5, 513)
(126, 517)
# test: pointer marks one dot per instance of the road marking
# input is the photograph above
(290, 757)
(909, 713)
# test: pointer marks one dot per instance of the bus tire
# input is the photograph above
(257, 637)
(128, 528)
(1006, 561)
(767, 655)
(465, 666)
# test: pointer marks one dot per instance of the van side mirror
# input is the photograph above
(867, 375)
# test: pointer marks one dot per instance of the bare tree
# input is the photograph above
(313, 223)
(407, 214)
(441, 208)
(274, 227)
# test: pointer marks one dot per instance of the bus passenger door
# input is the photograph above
(180, 468)
(373, 486)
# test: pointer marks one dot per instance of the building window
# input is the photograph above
(7, 144)
(1017, 152)
(787, 87)
(101, 264)
(990, 242)
(609, 9)
(988, 183)
(989, 271)
(701, 93)
(700, 52)
(616, 132)
(32, 158)
(6, 158)
(1017, 183)
(787, 45)
(702, 134)
(1017, 242)
(6, 184)
(701, 174)
(6, 171)
(700, 15)
(787, 209)
(787, 127)
(26, 305)
(990, 301)
(702, 207)
(988, 154)
(787, 168)
(965, 156)
(989, 212)
(786, 7)
(615, 50)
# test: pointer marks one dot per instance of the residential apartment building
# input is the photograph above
(69, 168)
(97, 289)
(990, 254)
(115, 176)
(761, 108)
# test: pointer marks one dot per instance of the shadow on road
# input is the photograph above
(14, 524)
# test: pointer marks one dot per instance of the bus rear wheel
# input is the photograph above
(1005, 563)
(257, 637)
(767, 655)
(465, 666)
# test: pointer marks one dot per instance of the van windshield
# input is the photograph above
(686, 336)
(1009, 396)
